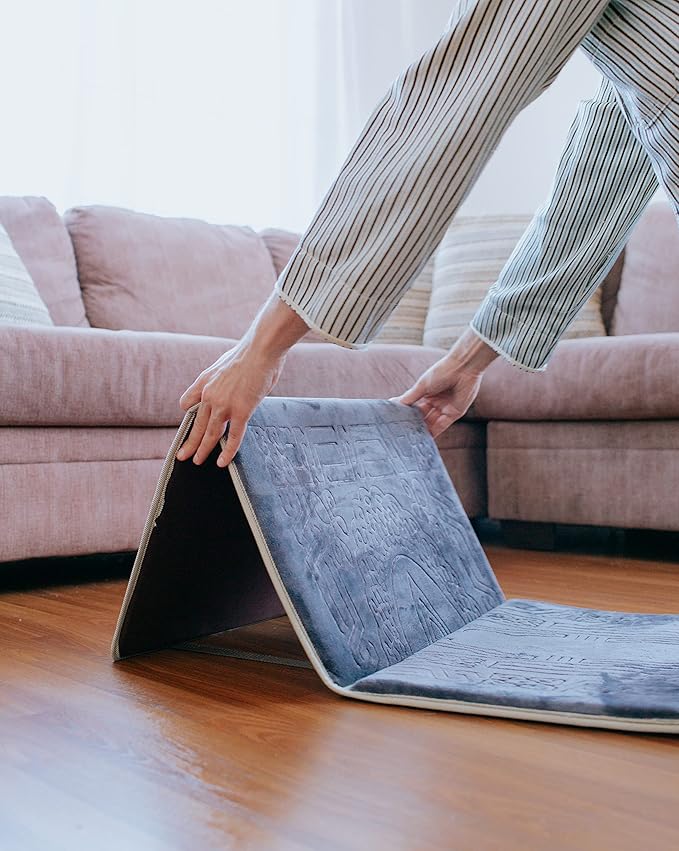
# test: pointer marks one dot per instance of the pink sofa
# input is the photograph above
(141, 304)
(89, 409)
(594, 439)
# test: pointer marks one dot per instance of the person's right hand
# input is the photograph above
(228, 391)
(445, 392)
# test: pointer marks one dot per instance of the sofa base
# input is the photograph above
(616, 474)
(74, 508)
(87, 490)
(76, 491)
(524, 535)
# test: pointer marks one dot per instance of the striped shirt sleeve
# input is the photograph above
(603, 182)
(422, 149)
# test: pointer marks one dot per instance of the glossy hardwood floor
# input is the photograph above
(183, 751)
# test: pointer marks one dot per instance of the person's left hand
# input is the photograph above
(228, 392)
(444, 393)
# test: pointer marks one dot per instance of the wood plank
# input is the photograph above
(183, 751)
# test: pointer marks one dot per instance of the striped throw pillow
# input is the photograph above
(405, 323)
(20, 302)
(470, 259)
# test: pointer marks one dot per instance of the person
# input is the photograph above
(414, 163)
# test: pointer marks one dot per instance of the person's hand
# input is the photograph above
(230, 389)
(445, 392)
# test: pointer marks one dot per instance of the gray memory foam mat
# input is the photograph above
(341, 514)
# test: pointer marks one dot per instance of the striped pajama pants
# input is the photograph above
(430, 136)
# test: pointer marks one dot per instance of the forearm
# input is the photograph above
(603, 183)
(471, 354)
(275, 329)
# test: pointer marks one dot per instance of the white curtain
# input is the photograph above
(227, 110)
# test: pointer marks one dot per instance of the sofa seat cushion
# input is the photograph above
(597, 378)
(97, 377)
(149, 273)
(24, 445)
(41, 240)
(379, 371)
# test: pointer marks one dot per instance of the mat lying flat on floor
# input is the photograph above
(341, 514)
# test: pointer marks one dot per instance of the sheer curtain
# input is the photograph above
(229, 111)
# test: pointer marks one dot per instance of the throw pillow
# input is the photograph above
(470, 259)
(20, 302)
(40, 238)
(143, 272)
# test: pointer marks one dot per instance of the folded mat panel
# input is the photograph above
(341, 513)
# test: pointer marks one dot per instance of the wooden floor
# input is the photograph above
(183, 751)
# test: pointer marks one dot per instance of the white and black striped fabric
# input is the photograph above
(430, 136)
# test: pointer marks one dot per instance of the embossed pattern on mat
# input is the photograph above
(366, 531)
(544, 656)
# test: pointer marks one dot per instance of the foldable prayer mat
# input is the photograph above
(341, 514)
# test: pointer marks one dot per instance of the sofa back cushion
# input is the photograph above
(470, 258)
(648, 296)
(41, 240)
(405, 325)
(143, 272)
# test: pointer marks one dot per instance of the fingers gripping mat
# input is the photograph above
(341, 514)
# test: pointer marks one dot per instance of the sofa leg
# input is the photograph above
(526, 535)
